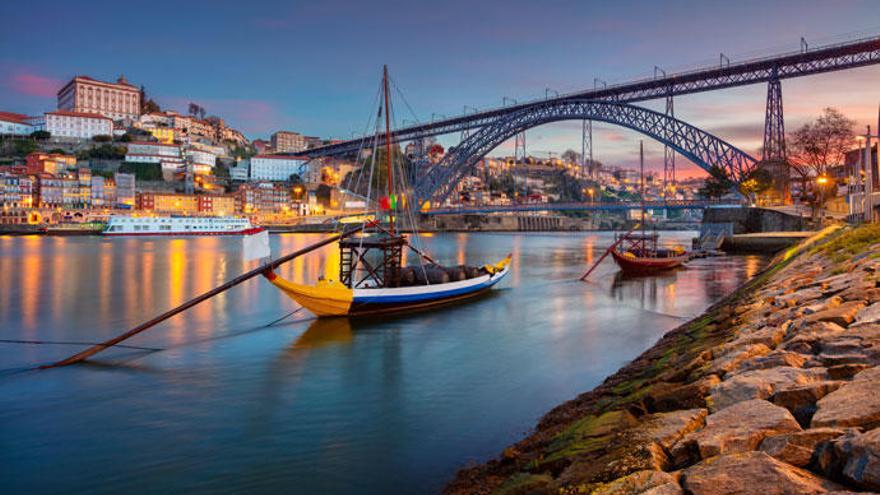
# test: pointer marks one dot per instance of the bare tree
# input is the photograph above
(820, 144)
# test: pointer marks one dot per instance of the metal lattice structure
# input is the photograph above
(859, 53)
(702, 148)
(774, 124)
(669, 153)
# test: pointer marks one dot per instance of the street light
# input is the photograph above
(822, 180)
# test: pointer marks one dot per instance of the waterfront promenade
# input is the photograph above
(773, 390)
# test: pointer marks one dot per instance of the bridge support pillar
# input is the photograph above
(587, 165)
(669, 154)
(774, 156)
(520, 167)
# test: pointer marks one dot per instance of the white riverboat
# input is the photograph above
(123, 225)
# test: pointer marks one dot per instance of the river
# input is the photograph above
(229, 405)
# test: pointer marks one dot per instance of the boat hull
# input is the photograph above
(250, 231)
(644, 266)
(334, 299)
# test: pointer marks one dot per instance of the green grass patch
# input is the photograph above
(851, 243)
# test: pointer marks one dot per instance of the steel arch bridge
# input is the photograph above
(702, 148)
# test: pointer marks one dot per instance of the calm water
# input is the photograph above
(334, 406)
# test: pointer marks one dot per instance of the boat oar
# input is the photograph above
(607, 252)
(91, 351)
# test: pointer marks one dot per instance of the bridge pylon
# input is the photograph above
(587, 164)
(668, 152)
(774, 159)
(519, 160)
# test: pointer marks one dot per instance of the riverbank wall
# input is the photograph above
(773, 390)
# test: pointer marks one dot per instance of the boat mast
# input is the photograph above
(388, 151)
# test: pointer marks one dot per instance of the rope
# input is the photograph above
(47, 342)
(288, 315)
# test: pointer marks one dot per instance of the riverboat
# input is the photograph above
(373, 276)
(124, 225)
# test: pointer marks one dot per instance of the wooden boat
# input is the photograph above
(639, 255)
(372, 277)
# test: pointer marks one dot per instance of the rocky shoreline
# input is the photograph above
(774, 390)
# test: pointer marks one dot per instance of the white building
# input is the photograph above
(168, 155)
(241, 171)
(119, 100)
(15, 124)
(203, 161)
(63, 124)
(274, 167)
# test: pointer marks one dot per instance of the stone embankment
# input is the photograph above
(775, 390)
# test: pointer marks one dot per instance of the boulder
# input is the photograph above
(868, 314)
(862, 463)
(855, 404)
(690, 396)
(761, 384)
(846, 371)
(842, 315)
(752, 472)
(769, 335)
(735, 356)
(804, 337)
(801, 401)
(775, 359)
(740, 428)
(641, 483)
(798, 298)
(797, 448)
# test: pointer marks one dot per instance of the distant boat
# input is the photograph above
(639, 254)
(124, 225)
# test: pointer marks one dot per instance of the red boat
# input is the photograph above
(640, 255)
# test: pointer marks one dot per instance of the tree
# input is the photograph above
(101, 138)
(758, 181)
(57, 151)
(571, 156)
(151, 106)
(125, 138)
(294, 179)
(717, 184)
(820, 144)
(41, 135)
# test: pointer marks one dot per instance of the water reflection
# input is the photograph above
(388, 405)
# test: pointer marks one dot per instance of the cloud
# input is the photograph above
(28, 83)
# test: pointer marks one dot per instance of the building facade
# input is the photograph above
(125, 189)
(274, 168)
(72, 125)
(15, 124)
(288, 142)
(49, 163)
(117, 101)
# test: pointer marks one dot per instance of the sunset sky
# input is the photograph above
(314, 67)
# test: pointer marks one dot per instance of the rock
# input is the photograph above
(800, 297)
(740, 428)
(804, 338)
(862, 463)
(749, 473)
(690, 396)
(846, 371)
(641, 483)
(767, 335)
(842, 315)
(797, 448)
(638, 448)
(735, 356)
(855, 404)
(869, 314)
(773, 360)
(761, 384)
(801, 401)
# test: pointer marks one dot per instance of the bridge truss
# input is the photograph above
(701, 147)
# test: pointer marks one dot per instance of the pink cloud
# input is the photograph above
(27, 83)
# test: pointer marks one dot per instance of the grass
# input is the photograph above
(851, 243)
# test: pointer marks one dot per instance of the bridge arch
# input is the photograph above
(700, 147)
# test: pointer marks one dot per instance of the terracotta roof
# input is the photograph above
(14, 117)
(68, 113)
(114, 83)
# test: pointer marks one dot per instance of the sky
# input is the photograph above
(314, 67)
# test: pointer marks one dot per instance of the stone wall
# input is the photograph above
(751, 220)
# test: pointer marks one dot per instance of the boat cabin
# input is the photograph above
(371, 261)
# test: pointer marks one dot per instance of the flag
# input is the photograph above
(256, 246)
(384, 203)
